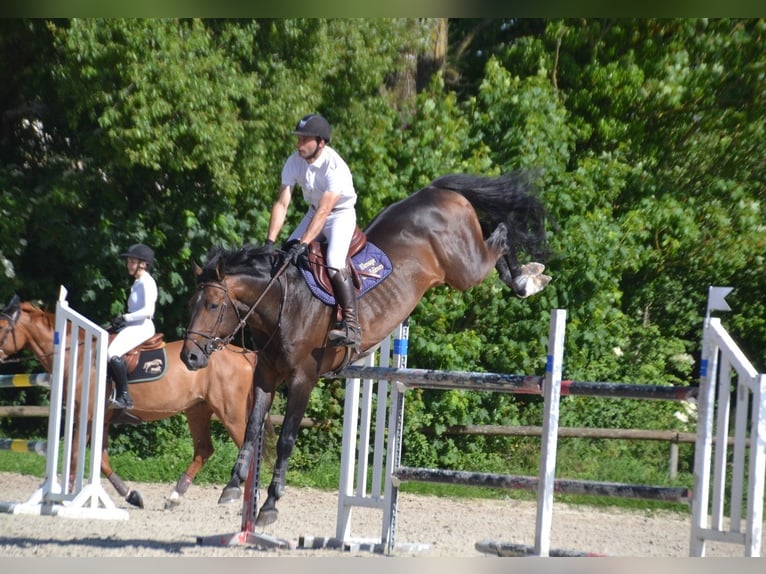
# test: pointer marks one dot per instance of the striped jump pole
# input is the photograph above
(517, 384)
(509, 549)
(560, 485)
(23, 445)
(25, 380)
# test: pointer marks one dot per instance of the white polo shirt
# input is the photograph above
(328, 173)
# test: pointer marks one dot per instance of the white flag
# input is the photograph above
(716, 299)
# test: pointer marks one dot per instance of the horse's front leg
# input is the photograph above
(297, 402)
(232, 492)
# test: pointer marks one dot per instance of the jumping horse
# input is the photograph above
(223, 390)
(452, 232)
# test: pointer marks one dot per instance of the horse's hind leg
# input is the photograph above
(297, 402)
(132, 497)
(198, 417)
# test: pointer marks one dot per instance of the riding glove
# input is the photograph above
(296, 251)
(117, 323)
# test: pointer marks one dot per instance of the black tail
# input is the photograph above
(509, 198)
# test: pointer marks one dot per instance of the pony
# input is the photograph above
(453, 232)
(223, 390)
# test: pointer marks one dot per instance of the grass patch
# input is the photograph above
(22, 463)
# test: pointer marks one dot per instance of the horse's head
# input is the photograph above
(214, 318)
(8, 319)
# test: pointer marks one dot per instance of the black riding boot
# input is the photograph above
(119, 374)
(348, 332)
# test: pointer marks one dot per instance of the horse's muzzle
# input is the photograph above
(193, 359)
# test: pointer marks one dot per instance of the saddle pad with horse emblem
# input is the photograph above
(372, 267)
(152, 364)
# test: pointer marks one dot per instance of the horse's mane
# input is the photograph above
(36, 312)
(246, 260)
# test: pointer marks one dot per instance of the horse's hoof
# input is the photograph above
(531, 281)
(532, 268)
(171, 504)
(134, 497)
(266, 517)
(230, 494)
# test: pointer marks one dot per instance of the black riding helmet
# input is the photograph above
(314, 125)
(141, 252)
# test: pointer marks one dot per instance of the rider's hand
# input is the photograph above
(269, 246)
(117, 323)
(296, 251)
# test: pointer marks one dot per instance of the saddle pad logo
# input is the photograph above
(151, 366)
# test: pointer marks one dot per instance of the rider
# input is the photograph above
(326, 182)
(135, 326)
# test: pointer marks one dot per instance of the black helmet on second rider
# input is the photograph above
(314, 125)
(141, 252)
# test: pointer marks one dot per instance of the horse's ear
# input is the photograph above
(196, 269)
(219, 275)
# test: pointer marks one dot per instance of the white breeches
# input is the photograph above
(131, 336)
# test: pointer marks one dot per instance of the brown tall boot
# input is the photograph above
(349, 332)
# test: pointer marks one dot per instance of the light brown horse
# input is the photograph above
(455, 231)
(223, 390)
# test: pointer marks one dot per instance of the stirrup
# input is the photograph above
(351, 337)
(121, 402)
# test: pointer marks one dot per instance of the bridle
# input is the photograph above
(216, 343)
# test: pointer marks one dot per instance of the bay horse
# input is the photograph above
(223, 390)
(452, 232)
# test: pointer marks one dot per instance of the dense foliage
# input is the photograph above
(647, 137)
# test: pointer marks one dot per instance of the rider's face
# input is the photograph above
(307, 147)
(133, 265)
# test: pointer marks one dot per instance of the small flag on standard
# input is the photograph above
(716, 299)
